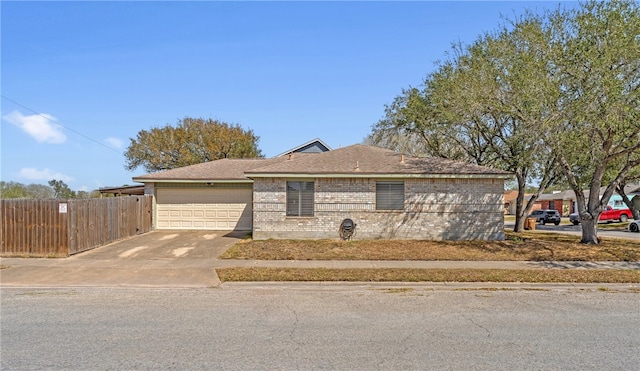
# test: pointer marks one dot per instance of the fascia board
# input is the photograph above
(380, 175)
(142, 180)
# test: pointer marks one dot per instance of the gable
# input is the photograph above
(313, 146)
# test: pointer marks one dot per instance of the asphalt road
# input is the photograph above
(320, 326)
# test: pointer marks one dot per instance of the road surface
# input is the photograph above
(322, 326)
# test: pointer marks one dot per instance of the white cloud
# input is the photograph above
(32, 173)
(114, 142)
(40, 127)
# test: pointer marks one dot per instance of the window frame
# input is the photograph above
(300, 199)
(386, 191)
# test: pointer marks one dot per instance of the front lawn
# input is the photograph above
(260, 274)
(524, 246)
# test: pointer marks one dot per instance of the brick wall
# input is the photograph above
(435, 209)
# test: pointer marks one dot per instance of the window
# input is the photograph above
(389, 195)
(299, 198)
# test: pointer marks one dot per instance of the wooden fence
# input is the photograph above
(42, 228)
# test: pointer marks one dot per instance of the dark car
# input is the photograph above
(546, 216)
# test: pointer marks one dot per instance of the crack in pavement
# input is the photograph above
(477, 325)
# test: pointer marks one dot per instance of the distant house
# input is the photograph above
(565, 201)
(510, 202)
(308, 195)
(132, 190)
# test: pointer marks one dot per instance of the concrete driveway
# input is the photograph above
(155, 259)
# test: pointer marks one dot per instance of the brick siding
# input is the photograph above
(435, 209)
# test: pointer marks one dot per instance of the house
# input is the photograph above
(563, 201)
(509, 199)
(134, 190)
(312, 146)
(308, 195)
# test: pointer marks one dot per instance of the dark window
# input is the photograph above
(389, 195)
(299, 198)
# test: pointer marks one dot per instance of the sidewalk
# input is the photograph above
(70, 272)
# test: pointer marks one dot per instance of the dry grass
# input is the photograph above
(524, 246)
(429, 275)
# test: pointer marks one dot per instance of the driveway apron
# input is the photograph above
(155, 259)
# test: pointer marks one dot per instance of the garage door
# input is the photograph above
(213, 209)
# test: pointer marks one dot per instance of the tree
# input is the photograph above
(61, 190)
(39, 191)
(19, 190)
(191, 141)
(596, 61)
(12, 190)
(549, 95)
(484, 106)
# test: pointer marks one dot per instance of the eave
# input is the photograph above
(204, 180)
(378, 175)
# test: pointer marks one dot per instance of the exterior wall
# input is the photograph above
(555, 204)
(435, 209)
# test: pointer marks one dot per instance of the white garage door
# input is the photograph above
(212, 209)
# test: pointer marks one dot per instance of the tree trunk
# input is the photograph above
(627, 201)
(520, 209)
(590, 231)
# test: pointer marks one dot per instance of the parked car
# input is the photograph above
(634, 226)
(608, 215)
(546, 216)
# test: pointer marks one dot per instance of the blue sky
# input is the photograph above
(79, 79)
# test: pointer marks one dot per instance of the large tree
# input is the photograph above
(596, 62)
(191, 141)
(485, 105)
(61, 189)
(549, 95)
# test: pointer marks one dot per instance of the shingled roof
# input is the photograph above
(352, 161)
(359, 160)
(218, 170)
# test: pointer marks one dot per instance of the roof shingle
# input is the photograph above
(223, 169)
(355, 160)
(363, 159)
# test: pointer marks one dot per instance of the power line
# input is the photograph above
(58, 123)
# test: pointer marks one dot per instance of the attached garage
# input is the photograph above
(214, 195)
(222, 209)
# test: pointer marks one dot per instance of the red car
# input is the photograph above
(609, 214)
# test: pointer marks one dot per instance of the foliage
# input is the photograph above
(483, 106)
(61, 189)
(55, 189)
(552, 99)
(596, 61)
(191, 141)
(19, 190)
